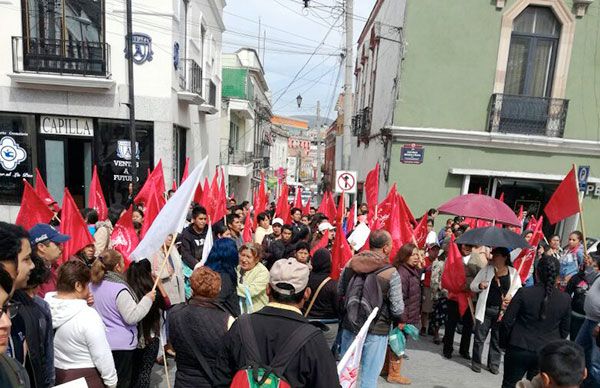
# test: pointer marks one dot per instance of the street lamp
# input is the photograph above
(299, 100)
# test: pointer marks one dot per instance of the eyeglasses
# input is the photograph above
(10, 308)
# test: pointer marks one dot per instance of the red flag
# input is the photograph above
(398, 227)
(384, 209)
(454, 279)
(306, 210)
(420, 232)
(406, 212)
(298, 201)
(33, 209)
(565, 200)
(123, 238)
(73, 225)
(152, 209)
(351, 221)
(202, 196)
(174, 186)
(282, 209)
(42, 191)
(154, 182)
(340, 254)
(327, 206)
(532, 224)
(322, 243)
(220, 201)
(501, 199)
(96, 197)
(185, 171)
(247, 232)
(526, 257)
(372, 190)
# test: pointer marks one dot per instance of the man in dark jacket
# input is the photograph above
(312, 365)
(193, 237)
(298, 228)
(376, 259)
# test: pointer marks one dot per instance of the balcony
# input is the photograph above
(61, 64)
(65, 57)
(240, 162)
(361, 124)
(210, 106)
(538, 116)
(189, 74)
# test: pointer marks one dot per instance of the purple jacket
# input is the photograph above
(411, 294)
(120, 335)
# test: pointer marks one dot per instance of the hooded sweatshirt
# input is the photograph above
(80, 338)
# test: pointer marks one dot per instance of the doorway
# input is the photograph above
(67, 162)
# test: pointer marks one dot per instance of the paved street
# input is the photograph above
(426, 367)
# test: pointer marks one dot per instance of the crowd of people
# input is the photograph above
(270, 308)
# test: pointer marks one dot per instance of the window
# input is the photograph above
(64, 36)
(179, 153)
(532, 54)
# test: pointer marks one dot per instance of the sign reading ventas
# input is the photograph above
(345, 181)
(67, 126)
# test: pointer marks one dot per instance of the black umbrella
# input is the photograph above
(492, 236)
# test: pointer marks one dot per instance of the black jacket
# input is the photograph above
(326, 305)
(205, 325)
(313, 366)
(192, 244)
(522, 322)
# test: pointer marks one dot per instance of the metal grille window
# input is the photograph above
(64, 36)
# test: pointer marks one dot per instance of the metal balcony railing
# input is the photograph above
(230, 155)
(190, 76)
(361, 123)
(57, 56)
(542, 116)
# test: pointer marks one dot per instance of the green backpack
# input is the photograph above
(259, 375)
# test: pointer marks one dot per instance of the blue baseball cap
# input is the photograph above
(44, 232)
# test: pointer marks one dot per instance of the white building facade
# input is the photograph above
(64, 92)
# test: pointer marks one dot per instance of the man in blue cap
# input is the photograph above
(46, 243)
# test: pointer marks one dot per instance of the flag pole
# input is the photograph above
(580, 203)
(164, 263)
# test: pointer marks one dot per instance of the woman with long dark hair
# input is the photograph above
(139, 277)
(535, 316)
(224, 259)
(496, 284)
(120, 308)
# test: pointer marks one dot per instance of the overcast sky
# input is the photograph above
(292, 34)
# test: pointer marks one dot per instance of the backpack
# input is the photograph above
(257, 374)
(362, 296)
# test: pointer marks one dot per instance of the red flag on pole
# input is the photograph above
(185, 173)
(247, 232)
(565, 200)
(454, 279)
(306, 210)
(152, 209)
(42, 191)
(282, 209)
(298, 201)
(420, 231)
(96, 197)
(501, 199)
(155, 182)
(322, 243)
(33, 209)
(532, 224)
(372, 190)
(341, 209)
(73, 225)
(526, 257)
(220, 201)
(520, 217)
(351, 221)
(202, 195)
(340, 254)
(123, 238)
(174, 185)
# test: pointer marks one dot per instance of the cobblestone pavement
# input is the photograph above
(425, 367)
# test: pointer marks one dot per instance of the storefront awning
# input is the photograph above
(513, 174)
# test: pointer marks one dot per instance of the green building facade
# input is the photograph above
(495, 96)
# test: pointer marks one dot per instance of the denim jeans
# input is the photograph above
(372, 359)
(592, 353)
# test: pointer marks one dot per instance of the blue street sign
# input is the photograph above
(583, 173)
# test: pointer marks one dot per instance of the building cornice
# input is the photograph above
(480, 139)
(62, 82)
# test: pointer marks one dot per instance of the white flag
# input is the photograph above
(348, 367)
(208, 243)
(171, 218)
